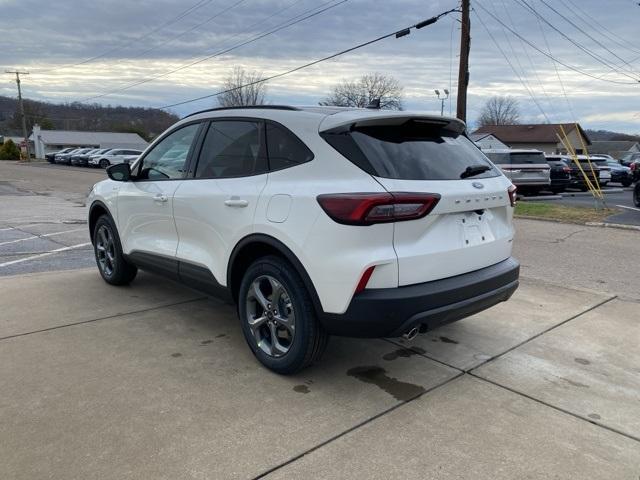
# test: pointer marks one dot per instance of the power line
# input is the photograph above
(400, 33)
(555, 66)
(567, 65)
(189, 30)
(523, 78)
(524, 83)
(611, 35)
(586, 34)
(281, 26)
(180, 16)
(593, 55)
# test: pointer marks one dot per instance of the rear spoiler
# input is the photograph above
(340, 124)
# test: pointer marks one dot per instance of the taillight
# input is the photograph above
(566, 169)
(511, 191)
(632, 166)
(364, 279)
(370, 208)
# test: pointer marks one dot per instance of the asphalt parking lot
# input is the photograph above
(623, 201)
(155, 381)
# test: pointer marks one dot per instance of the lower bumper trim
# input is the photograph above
(391, 312)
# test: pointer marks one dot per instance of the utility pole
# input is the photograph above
(463, 72)
(24, 122)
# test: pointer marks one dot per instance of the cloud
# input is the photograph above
(144, 39)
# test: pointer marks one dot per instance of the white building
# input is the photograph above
(487, 141)
(45, 141)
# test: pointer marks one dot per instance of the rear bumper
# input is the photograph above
(390, 312)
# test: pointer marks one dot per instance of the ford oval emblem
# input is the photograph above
(477, 185)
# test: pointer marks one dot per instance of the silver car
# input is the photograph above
(527, 169)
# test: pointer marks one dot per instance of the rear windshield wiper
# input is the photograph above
(474, 170)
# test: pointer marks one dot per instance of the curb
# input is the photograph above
(620, 226)
(588, 194)
(540, 198)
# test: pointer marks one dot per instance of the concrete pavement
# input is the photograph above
(153, 381)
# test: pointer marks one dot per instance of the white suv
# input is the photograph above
(315, 221)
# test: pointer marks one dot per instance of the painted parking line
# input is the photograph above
(46, 254)
(629, 208)
(41, 236)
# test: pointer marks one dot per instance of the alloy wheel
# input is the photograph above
(105, 250)
(270, 316)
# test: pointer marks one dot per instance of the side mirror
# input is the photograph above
(120, 172)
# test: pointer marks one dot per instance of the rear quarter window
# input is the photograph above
(410, 152)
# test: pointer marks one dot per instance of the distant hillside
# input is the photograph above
(607, 135)
(148, 122)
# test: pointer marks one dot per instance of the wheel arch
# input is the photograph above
(97, 209)
(257, 245)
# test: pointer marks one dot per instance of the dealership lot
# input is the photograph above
(155, 381)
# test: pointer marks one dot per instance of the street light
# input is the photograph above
(442, 99)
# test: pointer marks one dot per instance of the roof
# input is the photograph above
(70, 137)
(531, 133)
(476, 137)
(330, 117)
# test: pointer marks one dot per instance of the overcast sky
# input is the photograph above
(142, 39)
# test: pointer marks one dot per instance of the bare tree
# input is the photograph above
(243, 89)
(360, 92)
(500, 111)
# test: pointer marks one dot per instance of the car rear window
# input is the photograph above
(412, 151)
(511, 158)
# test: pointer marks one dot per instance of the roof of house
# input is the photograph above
(69, 137)
(606, 146)
(476, 137)
(531, 133)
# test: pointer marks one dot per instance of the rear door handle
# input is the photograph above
(236, 202)
(160, 198)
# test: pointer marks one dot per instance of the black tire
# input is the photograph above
(309, 339)
(104, 163)
(626, 183)
(636, 195)
(114, 269)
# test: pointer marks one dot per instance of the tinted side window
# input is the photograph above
(167, 159)
(232, 148)
(285, 149)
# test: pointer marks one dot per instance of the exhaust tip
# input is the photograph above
(411, 334)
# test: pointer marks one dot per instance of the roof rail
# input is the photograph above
(259, 107)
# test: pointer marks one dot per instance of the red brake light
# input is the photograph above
(365, 279)
(511, 191)
(370, 208)
(566, 169)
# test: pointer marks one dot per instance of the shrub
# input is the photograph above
(9, 151)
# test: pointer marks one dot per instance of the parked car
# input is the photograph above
(560, 173)
(65, 158)
(527, 169)
(81, 159)
(588, 162)
(113, 157)
(630, 158)
(592, 171)
(51, 156)
(620, 173)
(315, 221)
